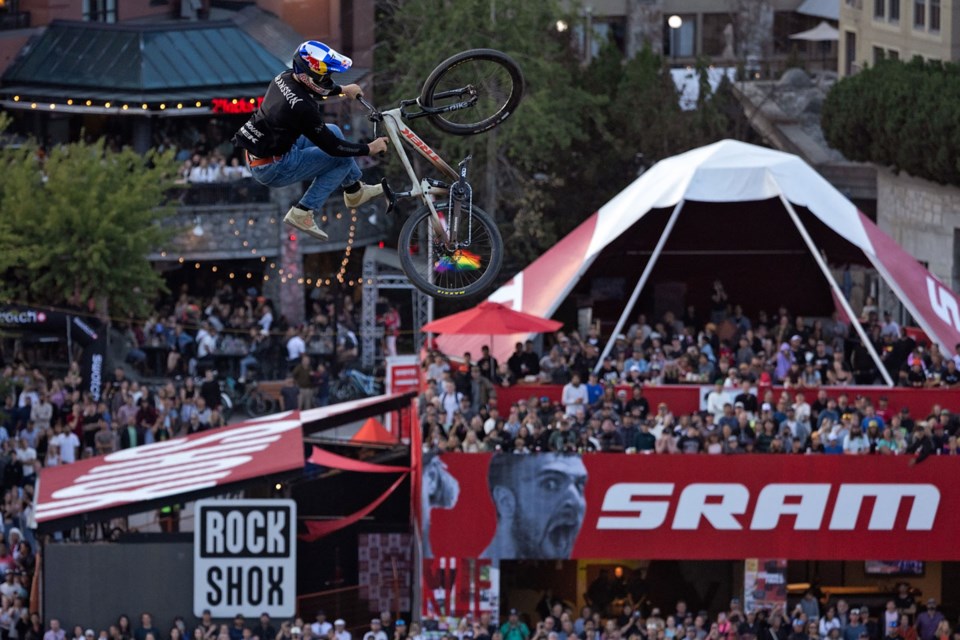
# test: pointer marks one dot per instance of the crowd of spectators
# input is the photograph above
(782, 349)
(459, 412)
(812, 618)
(604, 618)
(383, 627)
(241, 328)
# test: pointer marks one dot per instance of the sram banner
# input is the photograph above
(552, 506)
(245, 558)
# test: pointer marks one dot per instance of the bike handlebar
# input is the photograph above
(374, 116)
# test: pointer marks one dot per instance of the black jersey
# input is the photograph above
(290, 110)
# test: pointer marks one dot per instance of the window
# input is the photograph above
(879, 8)
(100, 10)
(894, 13)
(878, 54)
(893, 54)
(934, 15)
(919, 13)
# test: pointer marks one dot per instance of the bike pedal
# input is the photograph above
(389, 194)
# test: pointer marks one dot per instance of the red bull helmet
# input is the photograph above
(313, 63)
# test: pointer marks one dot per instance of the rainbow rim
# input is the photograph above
(460, 260)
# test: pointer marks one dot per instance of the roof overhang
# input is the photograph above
(192, 467)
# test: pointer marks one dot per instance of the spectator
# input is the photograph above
(376, 631)
(513, 628)
(146, 627)
(574, 395)
(340, 630)
(929, 620)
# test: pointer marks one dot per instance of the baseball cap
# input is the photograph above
(635, 368)
(296, 631)
(339, 622)
(855, 611)
(931, 601)
(514, 612)
(89, 633)
(767, 406)
(738, 405)
(375, 621)
(401, 622)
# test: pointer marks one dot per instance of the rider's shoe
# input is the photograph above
(303, 219)
(366, 193)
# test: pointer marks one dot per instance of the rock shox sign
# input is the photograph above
(245, 558)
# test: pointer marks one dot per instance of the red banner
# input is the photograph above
(317, 529)
(201, 461)
(820, 507)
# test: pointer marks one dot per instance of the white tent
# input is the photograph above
(752, 177)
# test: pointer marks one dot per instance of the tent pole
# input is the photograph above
(647, 270)
(838, 293)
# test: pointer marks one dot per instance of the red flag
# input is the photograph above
(320, 528)
(332, 460)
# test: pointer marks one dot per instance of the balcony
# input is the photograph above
(243, 191)
(14, 20)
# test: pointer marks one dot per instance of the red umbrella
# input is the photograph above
(491, 319)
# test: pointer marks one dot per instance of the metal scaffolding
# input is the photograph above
(381, 270)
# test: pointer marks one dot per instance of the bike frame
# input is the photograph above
(400, 132)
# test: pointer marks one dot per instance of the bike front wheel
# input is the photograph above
(484, 84)
(464, 270)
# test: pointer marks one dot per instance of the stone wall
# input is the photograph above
(923, 218)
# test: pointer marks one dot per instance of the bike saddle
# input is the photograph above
(389, 194)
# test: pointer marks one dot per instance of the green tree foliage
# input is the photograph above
(577, 137)
(80, 222)
(416, 35)
(901, 115)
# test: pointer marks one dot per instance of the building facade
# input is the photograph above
(901, 29)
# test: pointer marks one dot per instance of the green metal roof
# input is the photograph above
(143, 59)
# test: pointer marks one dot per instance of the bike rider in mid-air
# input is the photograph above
(287, 141)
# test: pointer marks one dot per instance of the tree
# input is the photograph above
(79, 223)
(580, 134)
(905, 116)
(553, 117)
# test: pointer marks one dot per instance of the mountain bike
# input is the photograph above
(353, 385)
(450, 247)
(245, 396)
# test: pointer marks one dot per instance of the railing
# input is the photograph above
(14, 20)
(344, 602)
(242, 191)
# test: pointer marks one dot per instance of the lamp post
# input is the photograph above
(674, 22)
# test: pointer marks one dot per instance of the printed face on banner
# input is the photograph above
(538, 503)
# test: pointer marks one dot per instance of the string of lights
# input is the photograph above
(212, 105)
(277, 271)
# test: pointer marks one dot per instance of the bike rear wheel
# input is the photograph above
(491, 80)
(258, 404)
(462, 271)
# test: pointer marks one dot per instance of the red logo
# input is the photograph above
(421, 146)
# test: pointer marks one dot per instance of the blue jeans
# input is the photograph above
(306, 161)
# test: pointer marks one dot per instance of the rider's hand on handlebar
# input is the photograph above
(378, 146)
(352, 91)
